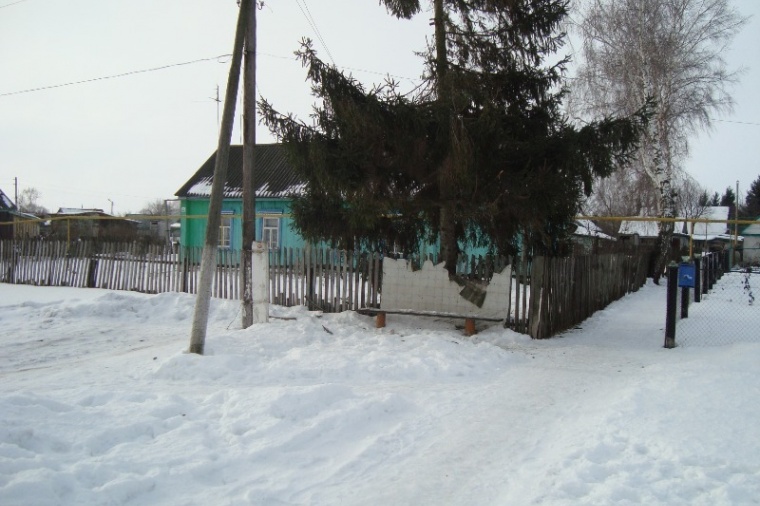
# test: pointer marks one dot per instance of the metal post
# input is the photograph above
(670, 309)
(736, 225)
(698, 279)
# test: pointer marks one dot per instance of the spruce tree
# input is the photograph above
(482, 155)
(704, 199)
(752, 202)
(728, 199)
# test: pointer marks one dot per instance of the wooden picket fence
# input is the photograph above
(549, 295)
(330, 280)
(87, 264)
(565, 291)
(326, 279)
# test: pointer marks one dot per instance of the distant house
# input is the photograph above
(153, 229)
(275, 182)
(645, 234)
(751, 235)
(717, 236)
(15, 224)
(588, 237)
(74, 223)
(713, 234)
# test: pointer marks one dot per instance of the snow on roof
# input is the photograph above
(203, 189)
(642, 228)
(702, 231)
(78, 210)
(588, 228)
(712, 229)
(275, 176)
(27, 216)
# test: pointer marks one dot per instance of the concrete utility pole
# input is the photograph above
(208, 258)
(249, 186)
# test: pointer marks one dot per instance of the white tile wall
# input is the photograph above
(429, 289)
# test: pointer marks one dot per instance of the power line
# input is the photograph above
(14, 3)
(114, 76)
(737, 122)
(312, 22)
(163, 67)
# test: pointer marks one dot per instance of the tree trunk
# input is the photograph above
(667, 227)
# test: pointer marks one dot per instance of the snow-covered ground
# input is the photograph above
(99, 405)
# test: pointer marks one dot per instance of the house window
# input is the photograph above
(270, 232)
(225, 232)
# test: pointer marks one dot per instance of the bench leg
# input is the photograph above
(469, 327)
(380, 320)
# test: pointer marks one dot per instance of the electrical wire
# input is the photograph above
(312, 22)
(737, 122)
(14, 3)
(163, 67)
(114, 76)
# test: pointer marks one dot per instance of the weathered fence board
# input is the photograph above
(566, 291)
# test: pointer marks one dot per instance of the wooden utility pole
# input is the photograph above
(249, 157)
(208, 258)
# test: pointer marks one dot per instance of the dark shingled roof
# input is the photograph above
(274, 175)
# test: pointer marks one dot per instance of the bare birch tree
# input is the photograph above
(160, 207)
(623, 193)
(28, 201)
(688, 198)
(669, 51)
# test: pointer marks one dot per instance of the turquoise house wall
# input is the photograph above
(193, 218)
(194, 212)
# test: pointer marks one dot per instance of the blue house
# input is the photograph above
(275, 182)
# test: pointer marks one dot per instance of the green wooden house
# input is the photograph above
(275, 182)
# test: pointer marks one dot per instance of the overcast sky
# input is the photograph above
(119, 143)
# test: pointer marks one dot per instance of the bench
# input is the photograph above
(469, 320)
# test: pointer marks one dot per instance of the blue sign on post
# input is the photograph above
(686, 273)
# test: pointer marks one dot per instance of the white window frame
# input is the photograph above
(267, 229)
(225, 232)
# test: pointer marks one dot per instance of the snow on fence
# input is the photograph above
(548, 295)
